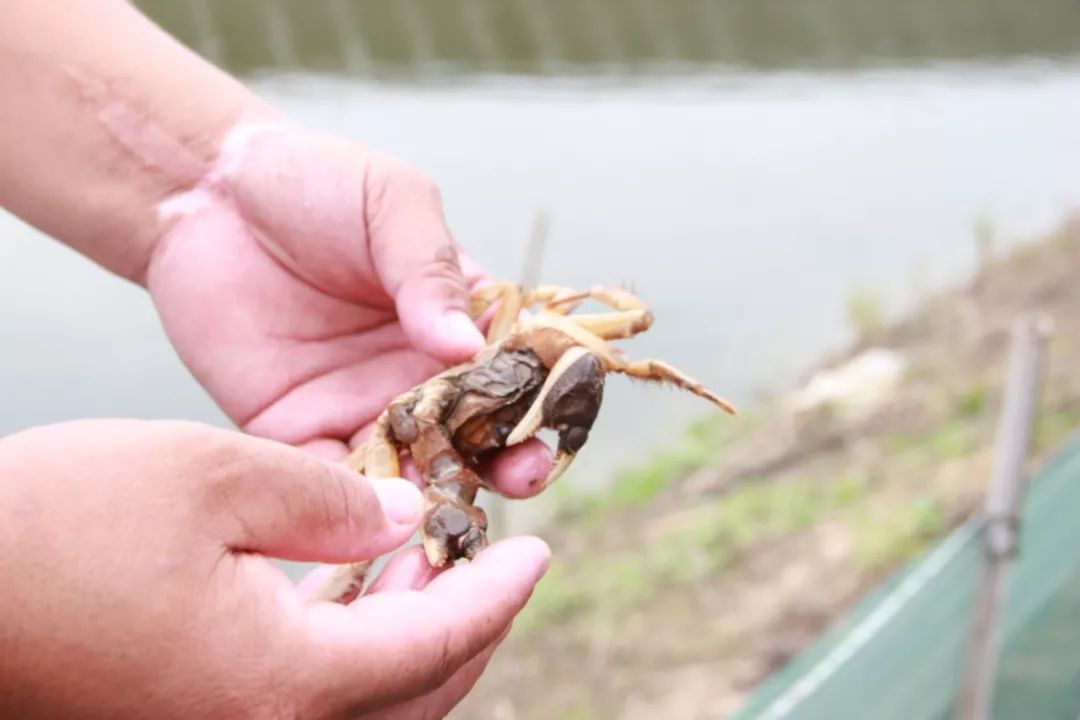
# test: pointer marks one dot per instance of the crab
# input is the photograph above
(541, 368)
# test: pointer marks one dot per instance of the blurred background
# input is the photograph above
(865, 192)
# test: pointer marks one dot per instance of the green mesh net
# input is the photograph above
(898, 655)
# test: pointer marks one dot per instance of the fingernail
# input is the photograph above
(401, 501)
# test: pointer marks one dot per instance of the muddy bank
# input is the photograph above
(701, 573)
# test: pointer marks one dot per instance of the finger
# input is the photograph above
(475, 277)
(278, 500)
(339, 402)
(439, 702)
(408, 570)
(418, 261)
(516, 472)
(314, 580)
(397, 645)
(519, 471)
(326, 448)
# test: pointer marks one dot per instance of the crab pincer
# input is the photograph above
(568, 403)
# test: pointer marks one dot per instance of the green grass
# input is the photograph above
(946, 441)
(704, 442)
(951, 440)
(885, 539)
(1053, 426)
(557, 596)
(865, 313)
(580, 710)
(971, 403)
(697, 543)
(640, 485)
(708, 539)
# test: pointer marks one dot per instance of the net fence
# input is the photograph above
(899, 654)
(424, 38)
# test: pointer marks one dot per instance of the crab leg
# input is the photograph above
(509, 309)
(617, 325)
(451, 519)
(555, 298)
(577, 334)
(593, 332)
(356, 459)
(614, 298)
(660, 371)
(380, 454)
(511, 301)
(485, 297)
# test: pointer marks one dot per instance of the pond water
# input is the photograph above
(745, 197)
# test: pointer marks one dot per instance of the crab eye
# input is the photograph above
(502, 431)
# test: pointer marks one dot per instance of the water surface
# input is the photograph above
(743, 199)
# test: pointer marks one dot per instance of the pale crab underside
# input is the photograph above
(572, 353)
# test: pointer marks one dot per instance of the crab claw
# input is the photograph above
(563, 460)
(569, 402)
(452, 529)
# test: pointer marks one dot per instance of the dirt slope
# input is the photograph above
(732, 554)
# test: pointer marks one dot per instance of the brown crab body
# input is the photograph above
(545, 370)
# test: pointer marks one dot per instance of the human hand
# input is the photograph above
(134, 562)
(308, 281)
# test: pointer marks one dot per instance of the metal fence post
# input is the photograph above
(497, 506)
(1004, 501)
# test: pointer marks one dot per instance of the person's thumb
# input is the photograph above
(417, 260)
(276, 500)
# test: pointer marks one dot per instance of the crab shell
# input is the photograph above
(540, 370)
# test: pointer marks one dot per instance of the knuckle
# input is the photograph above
(442, 650)
(390, 177)
(217, 456)
(219, 463)
(339, 506)
(418, 183)
(448, 655)
(441, 668)
(445, 266)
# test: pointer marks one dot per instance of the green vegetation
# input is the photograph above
(704, 442)
(946, 441)
(884, 539)
(888, 500)
(1054, 425)
(985, 240)
(866, 313)
(971, 403)
(951, 440)
(703, 541)
(688, 546)
(580, 710)
(956, 436)
(638, 562)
